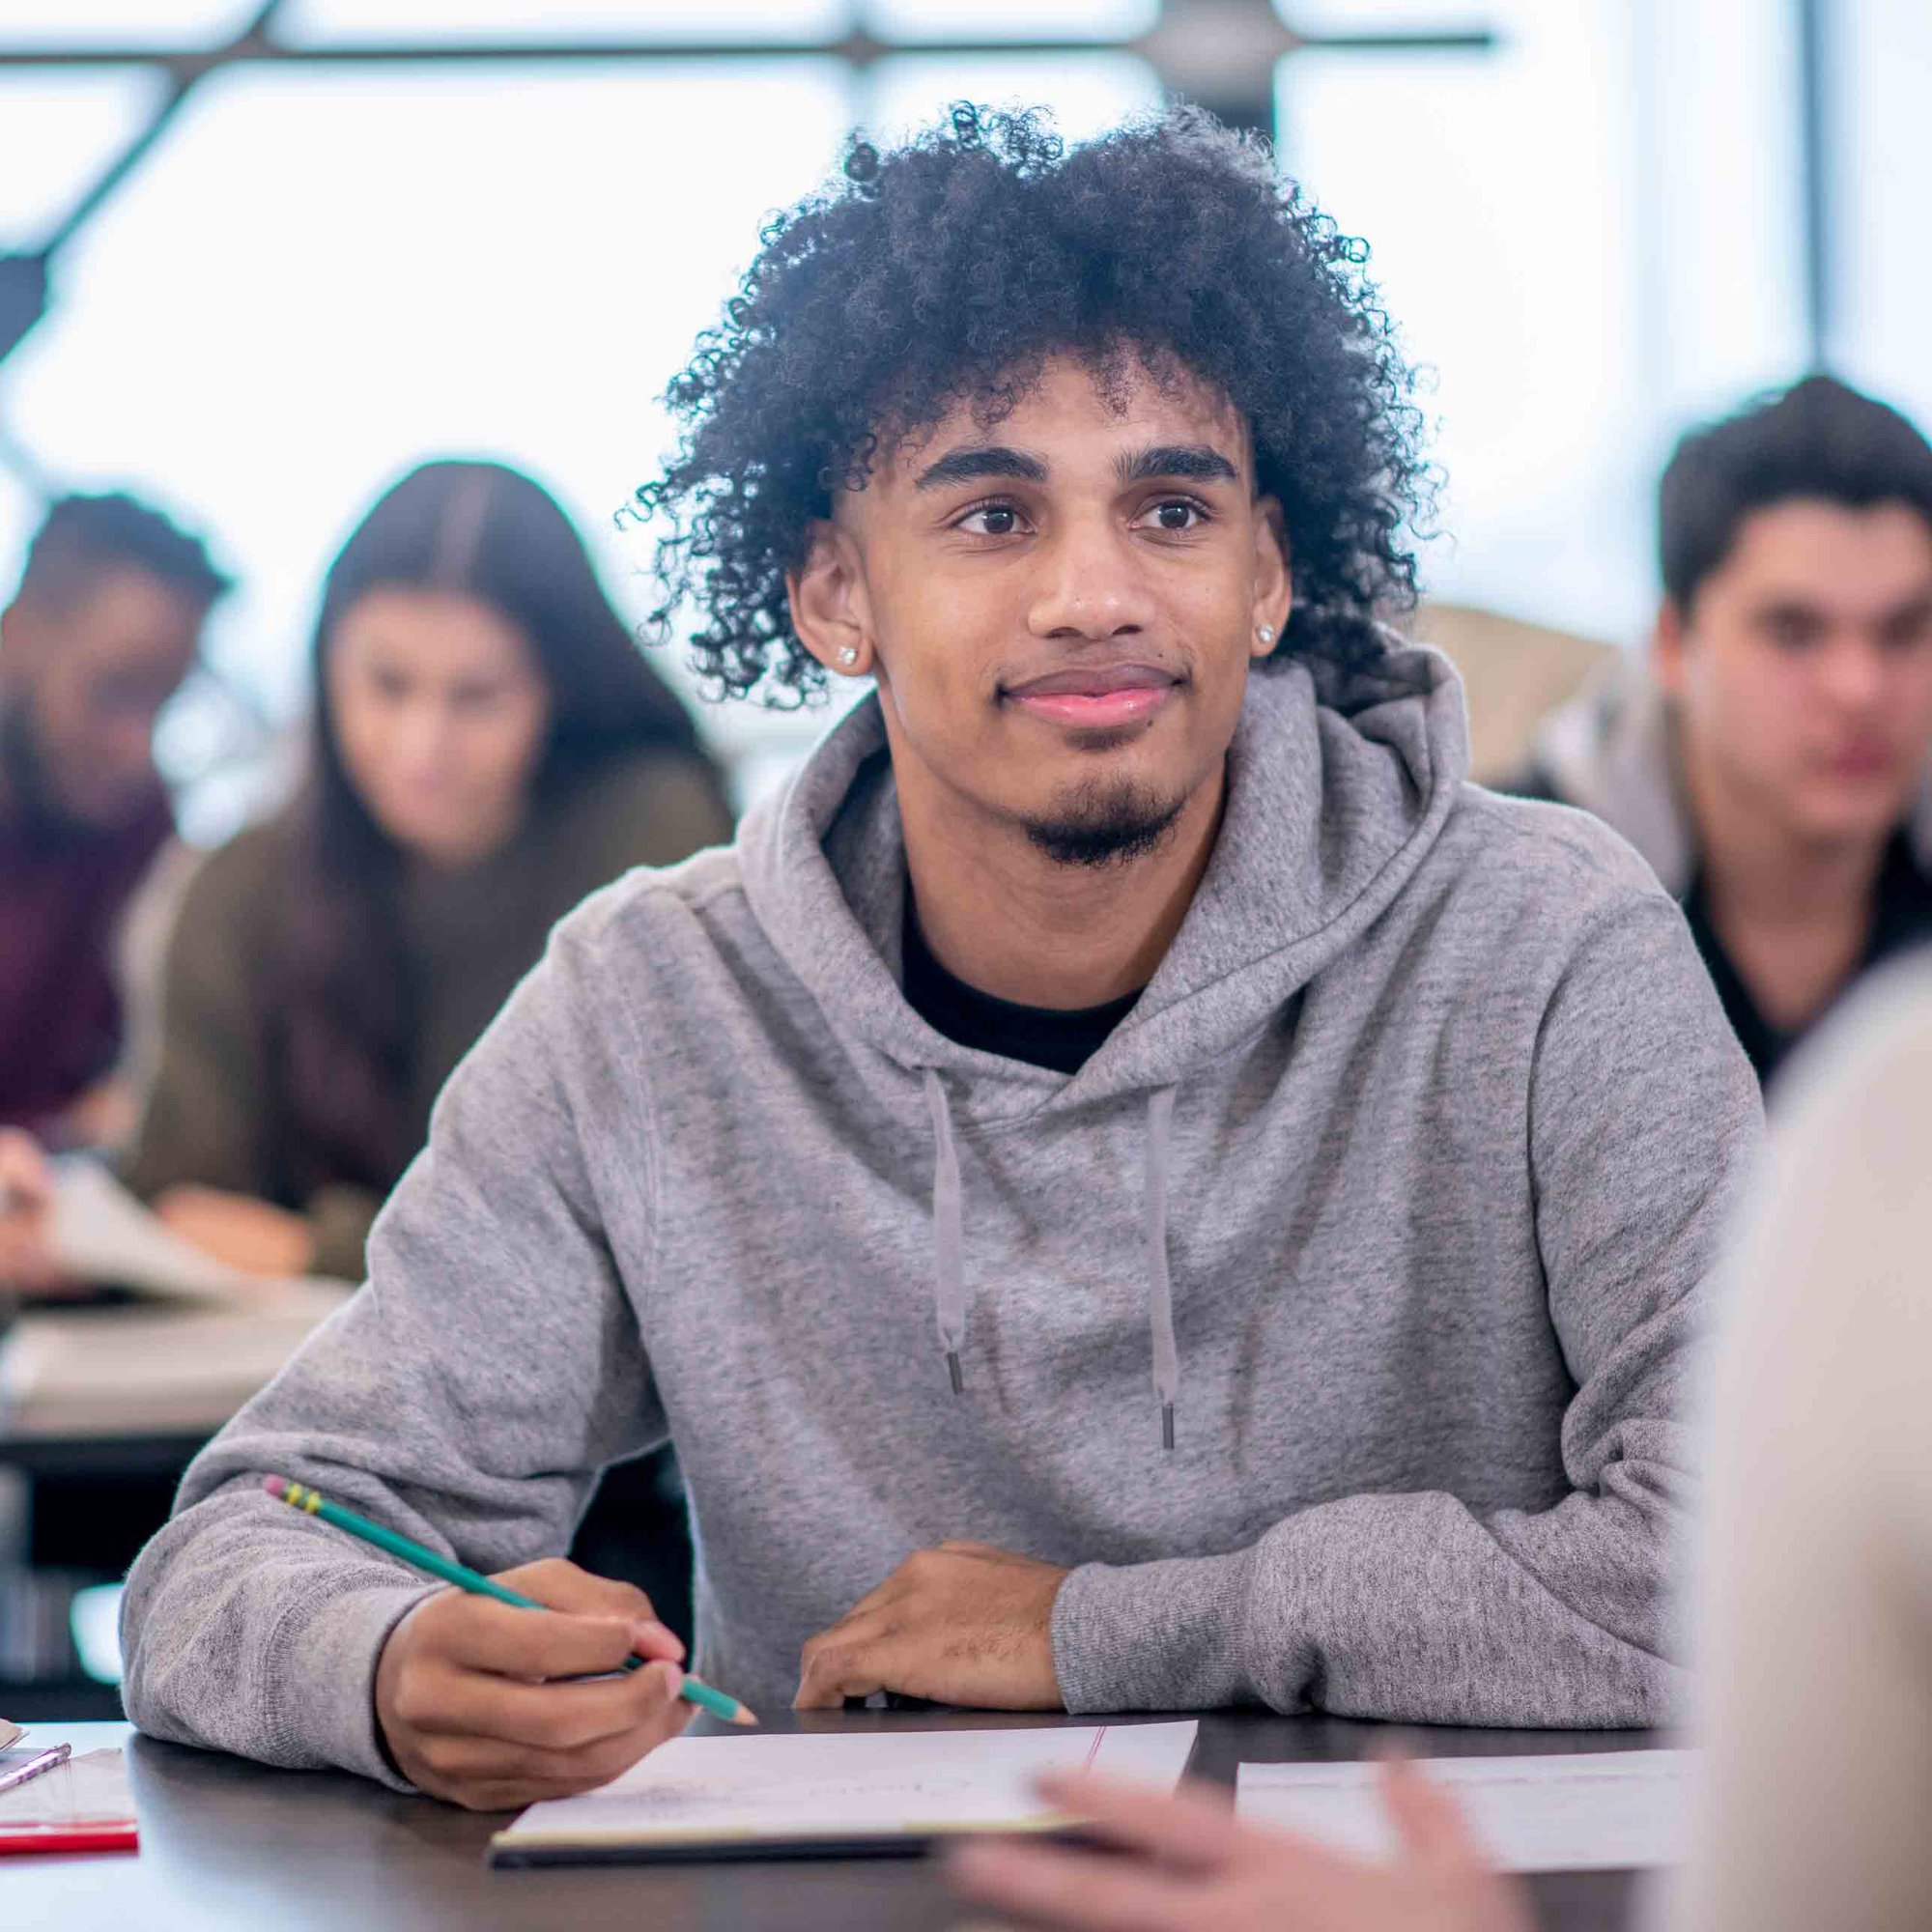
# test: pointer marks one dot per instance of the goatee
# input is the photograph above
(1102, 823)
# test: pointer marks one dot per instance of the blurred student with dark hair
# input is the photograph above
(489, 747)
(1771, 760)
(103, 629)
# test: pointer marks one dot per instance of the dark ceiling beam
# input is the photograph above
(1219, 52)
(856, 50)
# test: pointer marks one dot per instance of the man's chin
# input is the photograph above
(104, 818)
(1104, 821)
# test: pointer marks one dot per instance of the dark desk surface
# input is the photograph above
(229, 1844)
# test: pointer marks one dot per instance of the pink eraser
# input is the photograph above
(276, 1486)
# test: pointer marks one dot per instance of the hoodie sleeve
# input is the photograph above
(1643, 1119)
(249, 1628)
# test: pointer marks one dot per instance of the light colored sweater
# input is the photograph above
(1444, 1118)
(1815, 1609)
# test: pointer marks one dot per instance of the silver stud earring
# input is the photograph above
(848, 655)
(1265, 633)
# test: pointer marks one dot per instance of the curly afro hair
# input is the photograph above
(948, 271)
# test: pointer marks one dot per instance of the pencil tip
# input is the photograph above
(744, 1716)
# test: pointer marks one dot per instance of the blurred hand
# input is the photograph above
(1192, 1868)
(26, 1216)
(246, 1234)
(468, 1701)
(962, 1623)
(105, 1116)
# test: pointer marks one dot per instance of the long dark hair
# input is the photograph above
(343, 997)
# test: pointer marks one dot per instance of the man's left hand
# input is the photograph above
(963, 1624)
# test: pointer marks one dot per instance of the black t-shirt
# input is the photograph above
(1901, 919)
(1038, 1035)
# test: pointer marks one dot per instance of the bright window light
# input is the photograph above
(94, 1619)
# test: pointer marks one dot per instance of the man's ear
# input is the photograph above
(1669, 647)
(19, 645)
(830, 608)
(1274, 581)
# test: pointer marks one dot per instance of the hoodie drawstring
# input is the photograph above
(948, 1240)
(1160, 1283)
(948, 1246)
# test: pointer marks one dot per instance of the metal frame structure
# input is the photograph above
(1220, 52)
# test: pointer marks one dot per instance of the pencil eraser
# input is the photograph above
(276, 1486)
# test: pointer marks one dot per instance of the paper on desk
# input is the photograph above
(91, 1789)
(101, 1233)
(1596, 1812)
(145, 1371)
(847, 1785)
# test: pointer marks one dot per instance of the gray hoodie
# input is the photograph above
(1392, 1195)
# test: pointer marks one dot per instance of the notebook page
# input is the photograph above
(92, 1789)
(1594, 1811)
(845, 1784)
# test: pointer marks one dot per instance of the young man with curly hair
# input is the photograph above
(1130, 1185)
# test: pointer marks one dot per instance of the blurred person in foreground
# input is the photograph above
(1813, 1616)
(105, 626)
(489, 747)
(1771, 759)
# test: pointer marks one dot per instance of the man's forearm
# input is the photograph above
(1399, 1606)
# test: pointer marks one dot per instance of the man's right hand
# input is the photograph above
(27, 1262)
(469, 1701)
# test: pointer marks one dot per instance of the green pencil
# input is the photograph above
(694, 1691)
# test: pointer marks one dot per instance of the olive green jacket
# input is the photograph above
(213, 1116)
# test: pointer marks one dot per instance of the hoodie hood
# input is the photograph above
(1338, 787)
(1611, 752)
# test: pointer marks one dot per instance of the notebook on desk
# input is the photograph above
(83, 1804)
(868, 1794)
(100, 1233)
(204, 1339)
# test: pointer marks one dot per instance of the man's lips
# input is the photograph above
(1862, 758)
(1097, 695)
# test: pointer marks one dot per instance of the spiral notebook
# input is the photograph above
(866, 1794)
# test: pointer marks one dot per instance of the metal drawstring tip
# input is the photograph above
(1167, 1425)
(952, 1370)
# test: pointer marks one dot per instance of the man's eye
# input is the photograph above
(1176, 514)
(990, 520)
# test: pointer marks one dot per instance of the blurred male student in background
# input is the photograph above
(1771, 759)
(103, 629)
(1129, 1185)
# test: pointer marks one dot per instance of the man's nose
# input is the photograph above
(130, 746)
(1090, 584)
(1853, 673)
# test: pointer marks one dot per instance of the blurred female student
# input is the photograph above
(489, 747)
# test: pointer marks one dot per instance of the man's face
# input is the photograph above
(1802, 672)
(1060, 609)
(89, 680)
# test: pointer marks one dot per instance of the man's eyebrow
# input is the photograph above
(971, 465)
(1199, 462)
(1907, 610)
